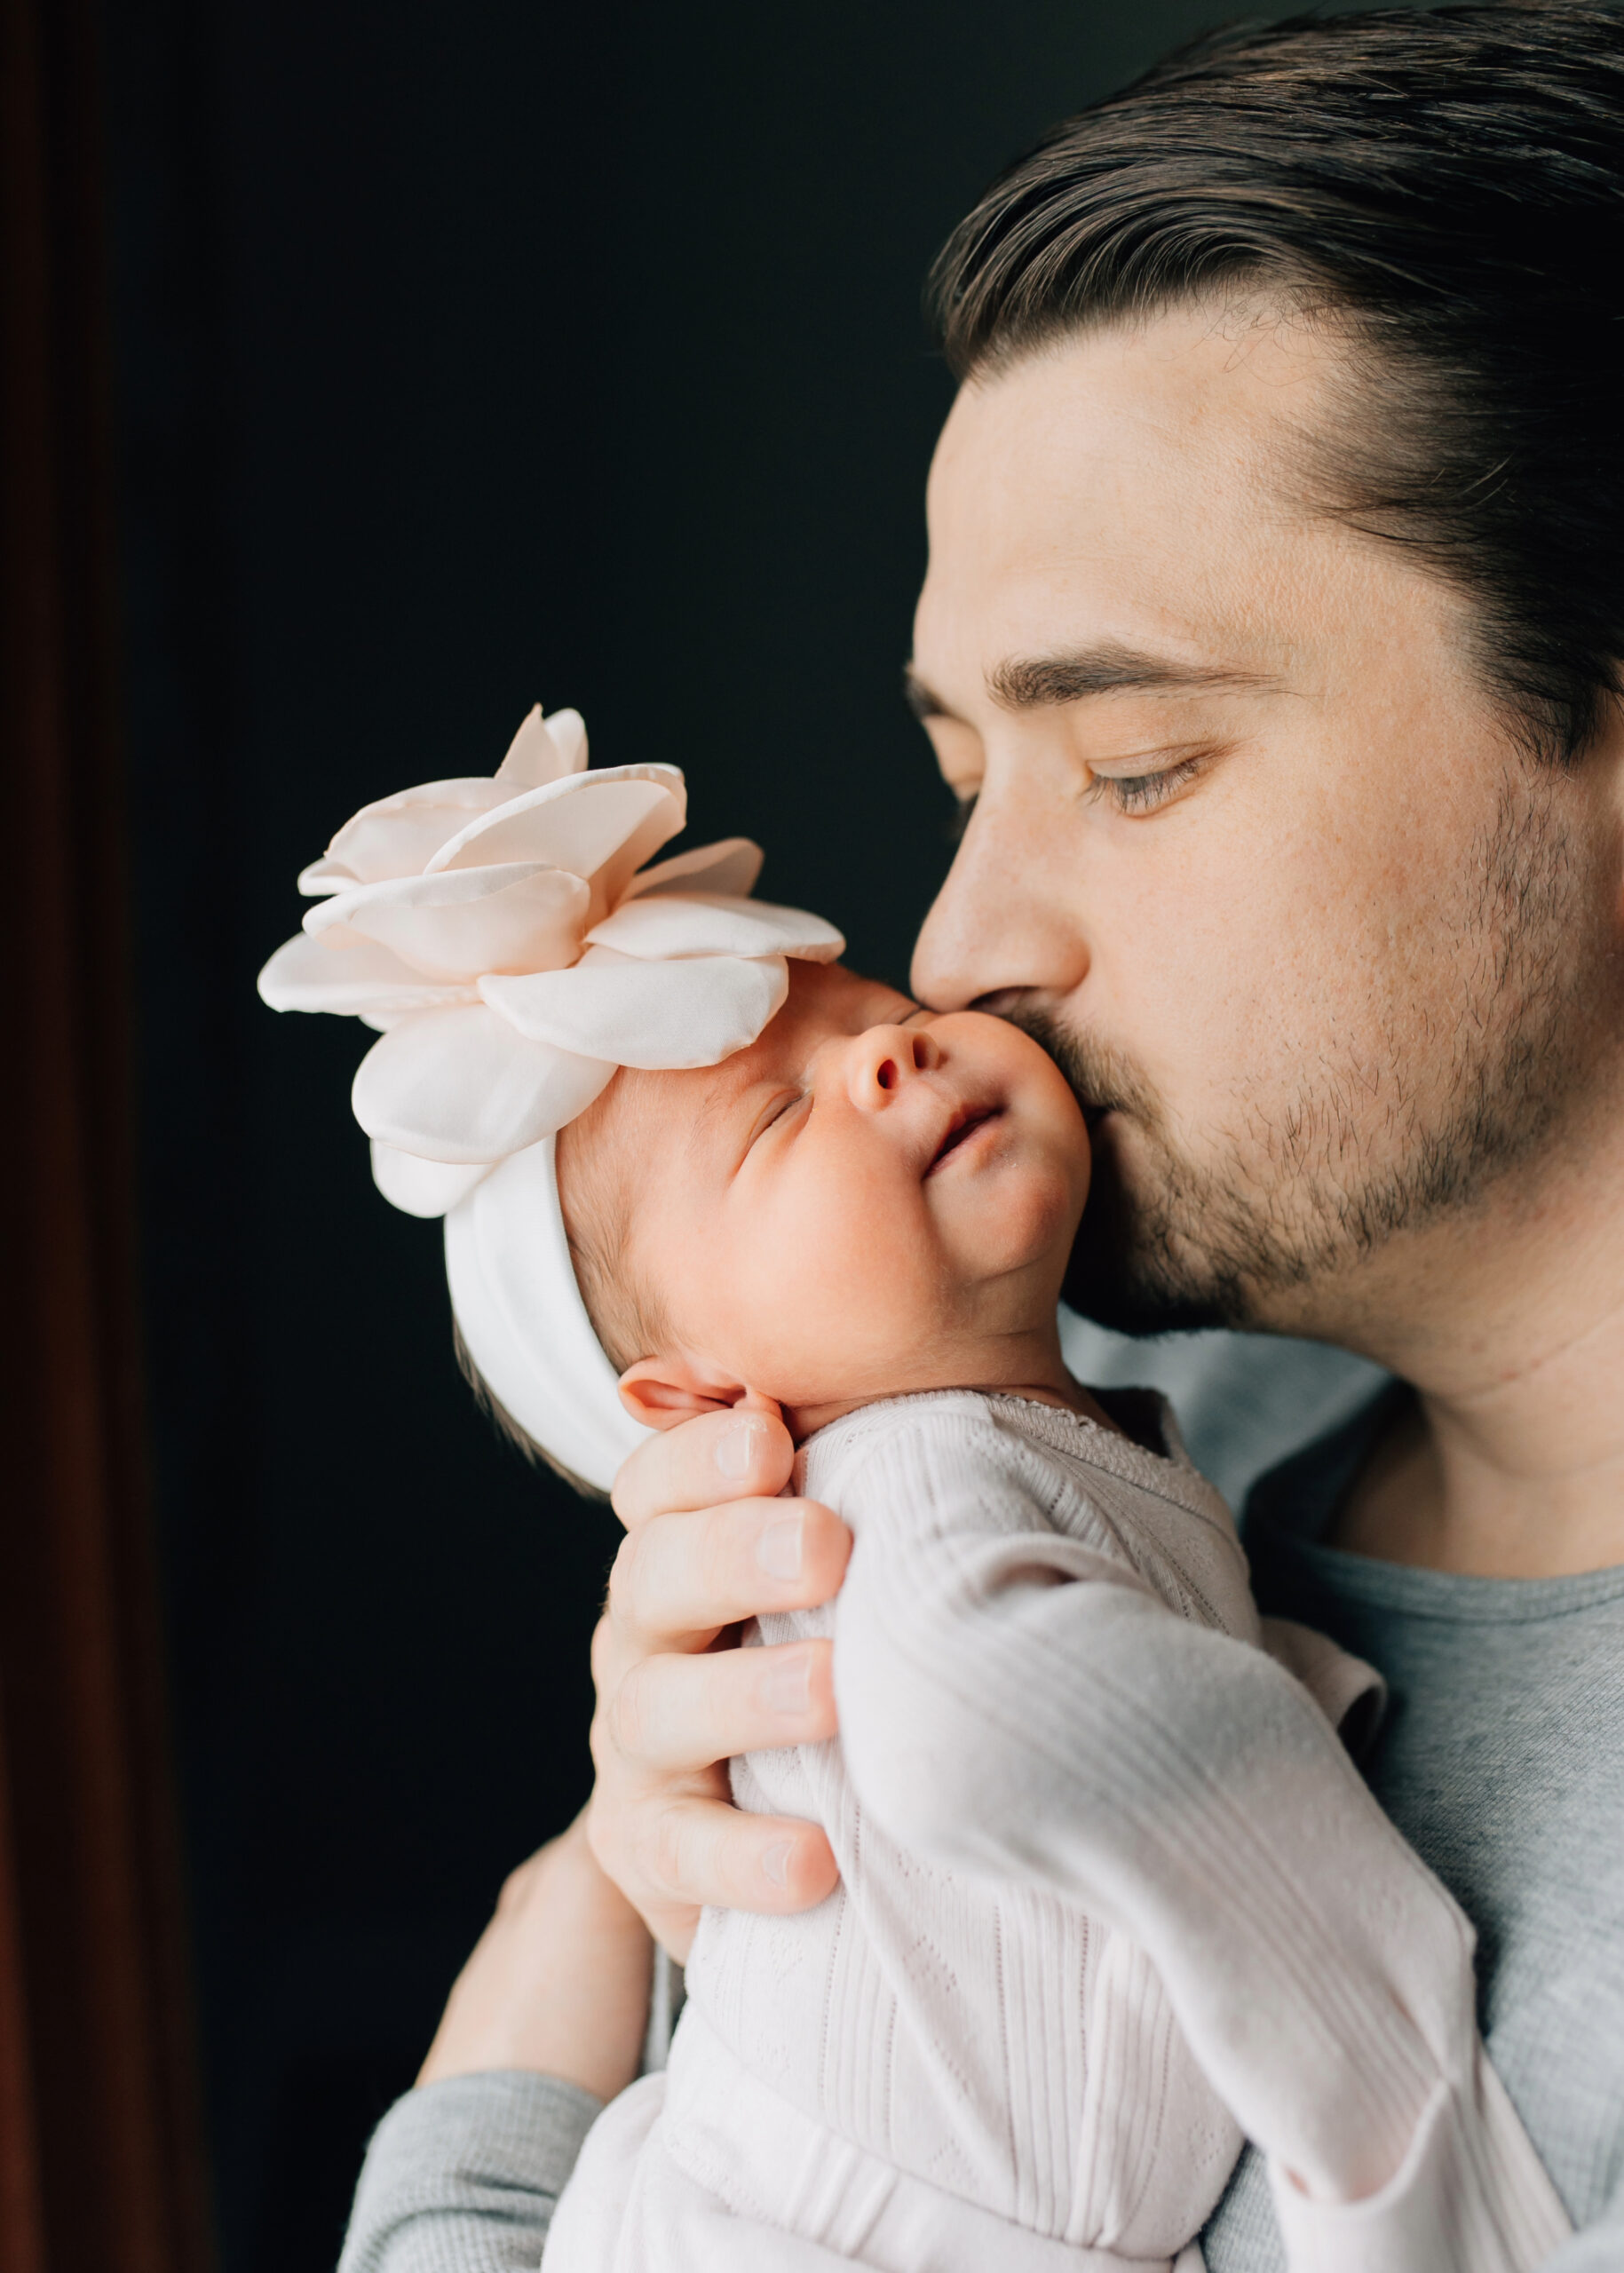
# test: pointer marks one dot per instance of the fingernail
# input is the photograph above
(735, 1449)
(787, 1688)
(778, 1550)
(775, 1863)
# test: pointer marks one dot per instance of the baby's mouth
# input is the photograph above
(966, 1119)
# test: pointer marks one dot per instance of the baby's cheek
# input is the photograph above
(859, 1271)
(842, 1249)
(791, 1284)
(821, 1284)
(880, 1282)
(1042, 1209)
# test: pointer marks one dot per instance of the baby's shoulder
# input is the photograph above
(957, 1459)
(960, 1427)
(946, 1461)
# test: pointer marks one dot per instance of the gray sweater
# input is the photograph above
(1501, 1761)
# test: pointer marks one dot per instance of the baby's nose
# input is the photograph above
(885, 1060)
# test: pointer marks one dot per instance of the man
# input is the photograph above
(1272, 633)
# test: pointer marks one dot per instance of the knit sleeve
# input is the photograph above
(463, 2176)
(1003, 1711)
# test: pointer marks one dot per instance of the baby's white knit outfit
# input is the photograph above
(967, 2060)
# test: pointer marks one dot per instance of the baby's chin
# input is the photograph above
(961, 1339)
(1017, 1202)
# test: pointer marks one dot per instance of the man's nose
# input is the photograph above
(881, 1062)
(1009, 917)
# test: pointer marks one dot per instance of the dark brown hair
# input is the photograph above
(1446, 187)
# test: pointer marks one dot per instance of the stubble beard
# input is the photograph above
(1275, 1229)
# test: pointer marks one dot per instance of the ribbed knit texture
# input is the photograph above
(992, 2039)
(1182, 1785)
(1108, 1881)
(464, 2175)
(461, 2176)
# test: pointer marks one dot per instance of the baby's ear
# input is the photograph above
(661, 1392)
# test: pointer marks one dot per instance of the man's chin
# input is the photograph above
(1122, 1274)
(1129, 1268)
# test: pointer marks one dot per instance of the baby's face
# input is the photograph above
(854, 1206)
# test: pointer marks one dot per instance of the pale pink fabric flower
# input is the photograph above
(506, 939)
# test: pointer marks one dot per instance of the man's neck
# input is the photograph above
(1511, 1463)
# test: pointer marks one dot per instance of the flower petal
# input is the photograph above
(326, 875)
(667, 929)
(649, 1014)
(396, 836)
(730, 865)
(423, 1187)
(540, 753)
(567, 729)
(465, 921)
(305, 974)
(461, 1085)
(603, 826)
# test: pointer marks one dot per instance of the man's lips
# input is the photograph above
(966, 1119)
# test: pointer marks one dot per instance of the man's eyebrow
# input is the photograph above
(1031, 683)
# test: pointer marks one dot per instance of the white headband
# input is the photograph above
(506, 940)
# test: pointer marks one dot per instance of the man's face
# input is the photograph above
(1324, 954)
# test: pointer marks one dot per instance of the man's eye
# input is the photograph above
(1142, 793)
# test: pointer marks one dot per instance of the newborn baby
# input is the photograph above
(1111, 1891)
(955, 2062)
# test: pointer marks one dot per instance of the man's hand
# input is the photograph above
(707, 1546)
(557, 1982)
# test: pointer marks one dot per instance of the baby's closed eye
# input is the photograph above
(776, 1114)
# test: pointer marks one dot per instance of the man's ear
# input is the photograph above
(661, 1392)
